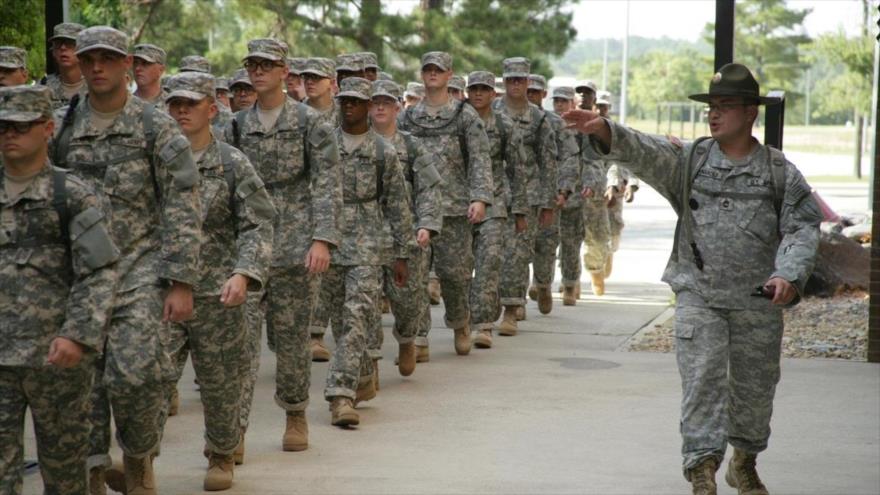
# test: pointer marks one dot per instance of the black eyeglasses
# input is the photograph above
(264, 64)
(725, 107)
(242, 90)
(63, 43)
(18, 127)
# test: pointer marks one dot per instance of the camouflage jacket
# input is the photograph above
(329, 116)
(158, 101)
(568, 160)
(422, 180)
(300, 168)
(377, 222)
(236, 228)
(221, 120)
(53, 82)
(158, 235)
(508, 167)
(43, 293)
(735, 224)
(466, 173)
(620, 177)
(539, 148)
(593, 167)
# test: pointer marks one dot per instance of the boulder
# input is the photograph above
(842, 265)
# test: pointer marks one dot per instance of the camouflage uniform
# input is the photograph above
(307, 193)
(154, 55)
(156, 225)
(68, 31)
(455, 133)
(539, 157)
(376, 224)
(55, 281)
(620, 177)
(597, 231)
(727, 343)
(237, 239)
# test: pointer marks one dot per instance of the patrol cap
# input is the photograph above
(195, 63)
(240, 77)
(12, 57)
(603, 98)
(383, 87)
(516, 67)
(221, 83)
(151, 53)
(457, 82)
(66, 30)
(440, 59)
(25, 103)
(321, 67)
(296, 65)
(734, 80)
(355, 87)
(384, 76)
(564, 92)
(414, 89)
(538, 82)
(349, 62)
(191, 85)
(585, 84)
(370, 60)
(268, 48)
(481, 78)
(102, 37)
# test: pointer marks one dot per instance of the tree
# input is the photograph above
(666, 77)
(23, 27)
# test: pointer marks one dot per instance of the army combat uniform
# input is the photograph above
(154, 55)
(142, 169)
(237, 219)
(597, 231)
(620, 178)
(56, 280)
(62, 93)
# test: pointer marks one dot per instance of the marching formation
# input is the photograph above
(184, 218)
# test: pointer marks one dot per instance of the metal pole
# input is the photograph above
(874, 304)
(55, 10)
(624, 78)
(774, 117)
(724, 17)
(807, 102)
(874, 97)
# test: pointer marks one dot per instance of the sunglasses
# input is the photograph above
(18, 127)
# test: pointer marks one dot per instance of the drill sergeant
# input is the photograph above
(69, 80)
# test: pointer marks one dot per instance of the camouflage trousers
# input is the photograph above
(290, 299)
(567, 232)
(352, 293)
(255, 316)
(729, 366)
(59, 403)
(517, 250)
(132, 376)
(615, 221)
(409, 304)
(216, 337)
(596, 234)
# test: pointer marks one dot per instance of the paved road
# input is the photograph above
(557, 409)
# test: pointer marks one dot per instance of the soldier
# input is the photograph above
(747, 219)
(384, 76)
(414, 93)
(221, 94)
(454, 131)
(56, 289)
(243, 94)
(69, 80)
(296, 157)
(221, 99)
(510, 201)
(318, 82)
(569, 223)
(148, 186)
(456, 87)
(237, 232)
(195, 63)
(149, 66)
(371, 65)
(294, 81)
(13, 66)
(349, 65)
(597, 230)
(409, 304)
(375, 204)
(539, 147)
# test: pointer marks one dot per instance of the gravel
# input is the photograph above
(834, 328)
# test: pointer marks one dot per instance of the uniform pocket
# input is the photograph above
(683, 330)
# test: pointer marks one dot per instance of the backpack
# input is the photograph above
(462, 140)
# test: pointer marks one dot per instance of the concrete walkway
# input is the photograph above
(556, 409)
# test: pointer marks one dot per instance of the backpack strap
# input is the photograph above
(380, 168)
(228, 171)
(499, 124)
(147, 118)
(59, 204)
(777, 177)
(410, 143)
(237, 124)
(302, 114)
(62, 143)
(699, 151)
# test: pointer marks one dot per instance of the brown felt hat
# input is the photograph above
(734, 80)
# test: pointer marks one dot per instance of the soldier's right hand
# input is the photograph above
(64, 352)
(423, 238)
(318, 257)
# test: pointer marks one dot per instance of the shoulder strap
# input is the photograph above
(699, 151)
(228, 172)
(499, 123)
(62, 143)
(150, 135)
(59, 203)
(237, 124)
(777, 177)
(462, 140)
(537, 142)
(301, 121)
(380, 168)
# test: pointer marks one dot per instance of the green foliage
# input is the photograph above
(22, 26)
(667, 77)
(849, 87)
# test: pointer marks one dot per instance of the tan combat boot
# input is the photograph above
(219, 476)
(434, 291)
(609, 264)
(577, 290)
(114, 477)
(742, 475)
(320, 353)
(568, 297)
(508, 326)
(238, 455)
(139, 478)
(423, 354)
(406, 359)
(376, 374)
(483, 340)
(598, 279)
(521, 313)
(296, 432)
(96, 481)
(702, 477)
(545, 300)
(174, 403)
(463, 340)
(343, 413)
(533, 292)
(366, 390)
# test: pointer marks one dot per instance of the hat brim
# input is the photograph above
(61, 37)
(761, 100)
(438, 64)
(267, 56)
(148, 58)
(6, 65)
(100, 46)
(16, 116)
(562, 97)
(353, 94)
(485, 85)
(243, 83)
(385, 94)
(508, 75)
(185, 93)
(536, 87)
(314, 73)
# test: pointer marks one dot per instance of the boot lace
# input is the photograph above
(748, 475)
